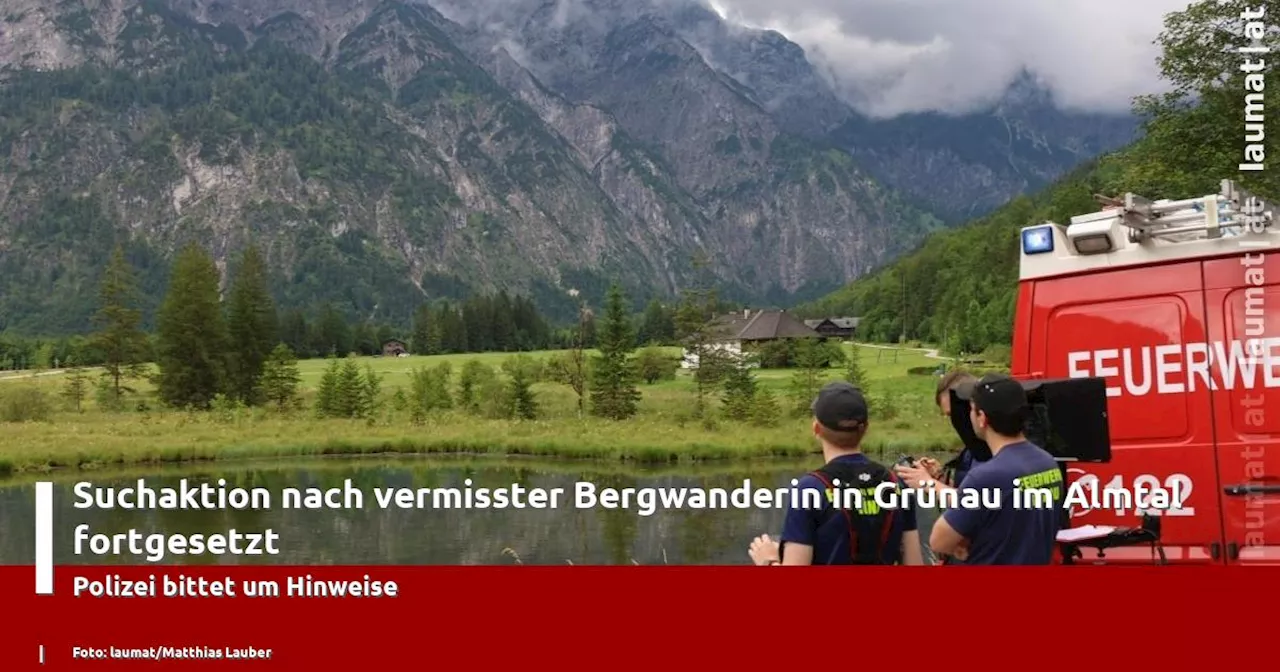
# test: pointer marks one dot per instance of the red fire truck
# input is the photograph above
(1176, 304)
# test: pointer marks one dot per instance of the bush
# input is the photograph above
(107, 399)
(473, 381)
(494, 399)
(653, 365)
(884, 406)
(429, 390)
(24, 404)
(998, 355)
(787, 353)
(560, 368)
(225, 409)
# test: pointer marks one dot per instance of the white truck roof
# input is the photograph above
(1135, 231)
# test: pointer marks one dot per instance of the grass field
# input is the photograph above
(664, 431)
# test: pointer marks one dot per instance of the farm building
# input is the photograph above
(842, 328)
(735, 332)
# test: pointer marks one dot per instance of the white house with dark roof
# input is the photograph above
(732, 331)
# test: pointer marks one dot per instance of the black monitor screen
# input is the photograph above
(1069, 418)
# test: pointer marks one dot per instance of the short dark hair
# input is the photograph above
(1007, 424)
(950, 381)
(847, 439)
(1002, 400)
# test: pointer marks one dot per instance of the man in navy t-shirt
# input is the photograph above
(1009, 535)
(826, 535)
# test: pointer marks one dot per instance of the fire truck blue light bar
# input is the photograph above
(1038, 240)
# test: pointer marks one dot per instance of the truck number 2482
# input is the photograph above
(1086, 485)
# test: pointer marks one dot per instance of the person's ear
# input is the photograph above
(817, 429)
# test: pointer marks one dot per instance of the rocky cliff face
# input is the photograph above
(384, 154)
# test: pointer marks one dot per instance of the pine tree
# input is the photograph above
(253, 328)
(119, 339)
(296, 333)
(520, 388)
(853, 372)
(739, 392)
(333, 334)
(351, 389)
(656, 326)
(280, 377)
(76, 388)
(192, 333)
(370, 394)
(693, 326)
(327, 405)
(810, 360)
(502, 321)
(614, 393)
(421, 340)
(764, 409)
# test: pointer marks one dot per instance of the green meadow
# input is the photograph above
(665, 430)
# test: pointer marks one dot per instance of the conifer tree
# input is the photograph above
(853, 372)
(524, 405)
(76, 388)
(119, 340)
(810, 360)
(614, 393)
(192, 333)
(420, 343)
(327, 404)
(739, 392)
(253, 328)
(280, 377)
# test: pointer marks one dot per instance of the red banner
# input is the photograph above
(624, 617)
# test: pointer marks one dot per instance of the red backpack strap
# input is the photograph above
(848, 518)
(887, 530)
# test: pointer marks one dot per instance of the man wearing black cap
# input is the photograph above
(1008, 535)
(861, 533)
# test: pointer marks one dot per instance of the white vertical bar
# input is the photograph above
(42, 654)
(44, 538)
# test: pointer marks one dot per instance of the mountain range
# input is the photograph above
(385, 153)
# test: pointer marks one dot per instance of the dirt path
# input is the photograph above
(22, 376)
(931, 353)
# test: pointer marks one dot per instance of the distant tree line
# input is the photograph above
(482, 323)
(225, 354)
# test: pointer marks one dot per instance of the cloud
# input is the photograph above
(888, 57)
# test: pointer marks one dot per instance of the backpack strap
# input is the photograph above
(848, 518)
(870, 555)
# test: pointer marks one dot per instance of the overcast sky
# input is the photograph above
(954, 54)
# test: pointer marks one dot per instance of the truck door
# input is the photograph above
(1132, 327)
(1242, 296)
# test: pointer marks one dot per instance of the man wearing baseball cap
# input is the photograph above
(1008, 535)
(852, 535)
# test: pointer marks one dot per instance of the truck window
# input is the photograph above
(1136, 344)
(1253, 368)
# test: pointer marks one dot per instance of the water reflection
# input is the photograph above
(374, 535)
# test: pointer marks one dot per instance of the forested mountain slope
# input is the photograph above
(384, 156)
(959, 287)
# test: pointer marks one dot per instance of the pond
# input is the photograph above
(374, 535)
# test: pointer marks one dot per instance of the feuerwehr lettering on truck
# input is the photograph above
(1179, 368)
